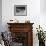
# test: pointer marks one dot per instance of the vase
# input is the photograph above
(41, 43)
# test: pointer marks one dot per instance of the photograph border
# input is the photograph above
(20, 6)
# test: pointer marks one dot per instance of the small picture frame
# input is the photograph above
(20, 10)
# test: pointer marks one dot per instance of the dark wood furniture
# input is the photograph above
(22, 33)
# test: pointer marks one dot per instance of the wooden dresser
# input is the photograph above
(22, 33)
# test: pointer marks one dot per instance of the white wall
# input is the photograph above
(43, 14)
(33, 14)
(43, 6)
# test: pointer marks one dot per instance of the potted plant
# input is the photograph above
(41, 36)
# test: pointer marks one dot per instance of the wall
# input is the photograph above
(43, 14)
(43, 6)
(0, 15)
(33, 14)
(33, 10)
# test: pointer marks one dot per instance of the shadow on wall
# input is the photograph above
(0, 15)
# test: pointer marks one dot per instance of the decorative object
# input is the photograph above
(41, 36)
(27, 21)
(7, 38)
(1, 40)
(20, 10)
(13, 21)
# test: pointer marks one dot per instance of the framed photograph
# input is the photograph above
(20, 10)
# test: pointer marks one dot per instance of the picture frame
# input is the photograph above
(20, 10)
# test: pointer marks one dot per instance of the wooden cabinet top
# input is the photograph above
(20, 27)
(20, 23)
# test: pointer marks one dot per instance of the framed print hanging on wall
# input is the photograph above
(20, 10)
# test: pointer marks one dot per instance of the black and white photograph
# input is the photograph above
(20, 10)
